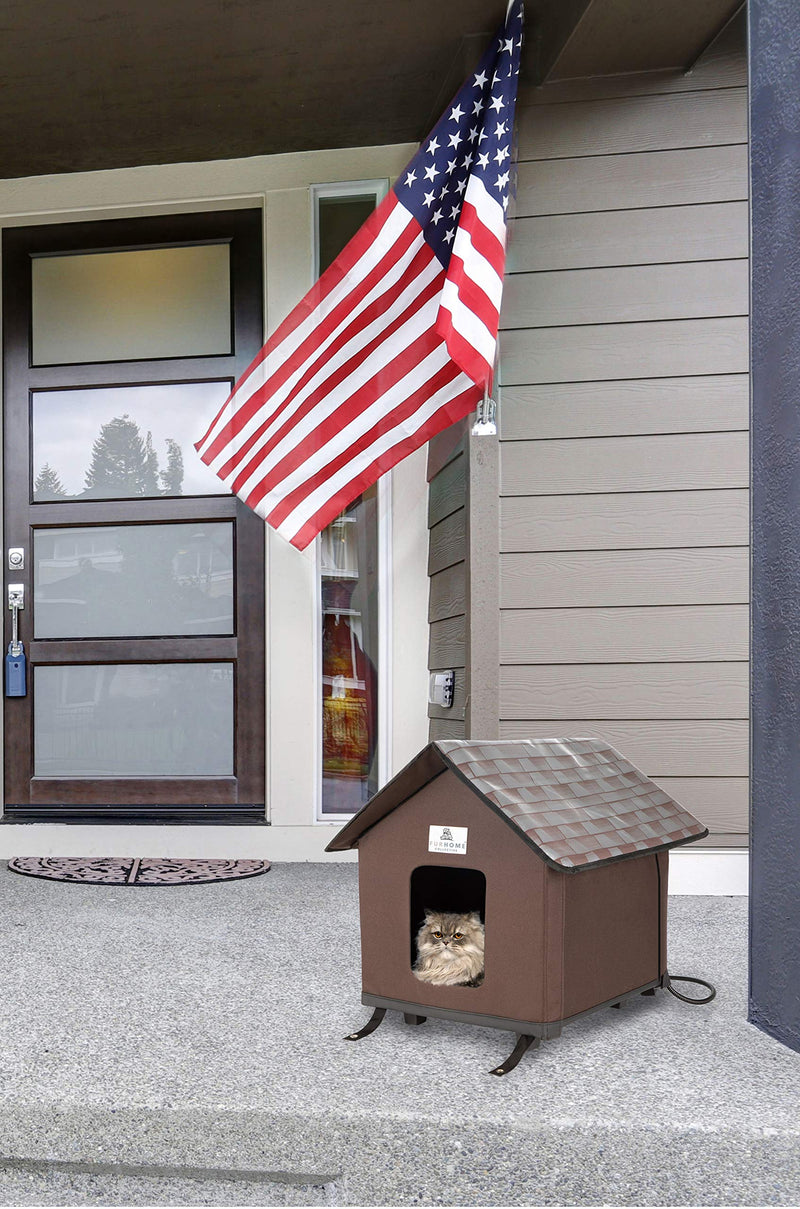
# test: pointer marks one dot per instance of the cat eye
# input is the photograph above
(458, 935)
(438, 935)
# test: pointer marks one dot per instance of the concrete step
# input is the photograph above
(231, 1158)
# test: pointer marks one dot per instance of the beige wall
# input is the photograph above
(280, 185)
(624, 417)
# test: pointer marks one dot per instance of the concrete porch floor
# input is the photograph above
(183, 1046)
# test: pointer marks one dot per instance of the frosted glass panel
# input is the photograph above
(133, 580)
(122, 441)
(134, 720)
(130, 306)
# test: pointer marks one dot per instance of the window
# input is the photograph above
(339, 210)
(351, 588)
(349, 599)
(130, 305)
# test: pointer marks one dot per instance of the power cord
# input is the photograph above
(689, 998)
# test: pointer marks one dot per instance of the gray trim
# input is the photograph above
(482, 706)
(774, 1006)
(738, 8)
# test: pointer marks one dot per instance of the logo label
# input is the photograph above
(448, 839)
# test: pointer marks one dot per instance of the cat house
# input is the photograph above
(560, 845)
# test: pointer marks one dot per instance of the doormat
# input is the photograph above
(116, 871)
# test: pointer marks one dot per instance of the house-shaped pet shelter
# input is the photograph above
(560, 844)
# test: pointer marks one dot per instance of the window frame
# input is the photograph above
(318, 192)
(379, 186)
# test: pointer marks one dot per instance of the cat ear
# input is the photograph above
(475, 918)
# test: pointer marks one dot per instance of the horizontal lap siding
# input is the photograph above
(633, 124)
(611, 351)
(577, 578)
(623, 634)
(688, 461)
(624, 464)
(687, 177)
(677, 234)
(630, 294)
(639, 406)
(644, 519)
(625, 690)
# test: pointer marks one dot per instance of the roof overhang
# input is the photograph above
(100, 85)
(577, 38)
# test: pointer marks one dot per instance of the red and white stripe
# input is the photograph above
(470, 311)
(382, 353)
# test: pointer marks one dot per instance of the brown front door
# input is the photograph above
(143, 580)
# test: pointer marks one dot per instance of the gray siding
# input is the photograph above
(624, 415)
(447, 571)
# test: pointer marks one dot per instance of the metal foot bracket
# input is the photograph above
(373, 1022)
(523, 1044)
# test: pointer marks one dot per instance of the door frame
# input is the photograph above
(240, 798)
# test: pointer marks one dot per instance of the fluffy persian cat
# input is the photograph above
(450, 949)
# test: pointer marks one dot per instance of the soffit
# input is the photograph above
(610, 37)
(106, 84)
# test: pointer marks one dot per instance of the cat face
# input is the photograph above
(445, 931)
(450, 949)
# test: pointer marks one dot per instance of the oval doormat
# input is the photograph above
(118, 871)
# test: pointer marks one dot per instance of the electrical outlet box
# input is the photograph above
(442, 686)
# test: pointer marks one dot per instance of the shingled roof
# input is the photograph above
(578, 802)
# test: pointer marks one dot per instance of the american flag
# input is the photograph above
(397, 339)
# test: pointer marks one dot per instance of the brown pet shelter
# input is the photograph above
(561, 845)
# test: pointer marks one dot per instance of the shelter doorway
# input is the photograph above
(444, 888)
(143, 579)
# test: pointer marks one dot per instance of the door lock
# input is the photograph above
(16, 558)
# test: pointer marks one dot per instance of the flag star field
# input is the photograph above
(471, 139)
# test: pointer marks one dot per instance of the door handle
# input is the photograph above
(16, 601)
(15, 658)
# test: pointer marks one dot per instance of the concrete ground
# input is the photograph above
(183, 1046)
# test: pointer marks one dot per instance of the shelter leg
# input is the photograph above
(410, 1018)
(650, 991)
(373, 1022)
(523, 1043)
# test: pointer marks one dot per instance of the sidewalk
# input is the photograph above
(198, 1031)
